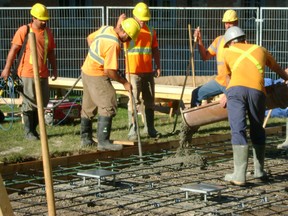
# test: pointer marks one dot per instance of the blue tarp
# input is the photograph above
(277, 112)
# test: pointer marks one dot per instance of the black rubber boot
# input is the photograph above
(103, 135)
(152, 132)
(240, 157)
(86, 133)
(28, 119)
(35, 123)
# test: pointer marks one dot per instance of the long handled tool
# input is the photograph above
(133, 105)
(191, 63)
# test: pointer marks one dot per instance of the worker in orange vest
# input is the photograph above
(139, 69)
(99, 96)
(45, 50)
(246, 95)
(218, 85)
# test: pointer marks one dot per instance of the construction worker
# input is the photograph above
(139, 69)
(45, 49)
(218, 85)
(246, 95)
(101, 65)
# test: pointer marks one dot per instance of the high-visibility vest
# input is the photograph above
(94, 49)
(246, 54)
(142, 46)
(46, 41)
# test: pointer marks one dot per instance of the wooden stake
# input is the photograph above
(43, 135)
(5, 205)
(267, 117)
(192, 48)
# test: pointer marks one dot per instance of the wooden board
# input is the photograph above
(161, 91)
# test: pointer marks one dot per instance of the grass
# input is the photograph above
(64, 139)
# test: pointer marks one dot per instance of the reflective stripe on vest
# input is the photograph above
(138, 50)
(46, 40)
(94, 50)
(246, 54)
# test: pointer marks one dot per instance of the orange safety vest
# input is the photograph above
(140, 52)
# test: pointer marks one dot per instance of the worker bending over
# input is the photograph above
(99, 95)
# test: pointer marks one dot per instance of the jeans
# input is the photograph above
(210, 89)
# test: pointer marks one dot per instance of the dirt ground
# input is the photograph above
(154, 185)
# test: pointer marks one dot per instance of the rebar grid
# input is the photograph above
(150, 189)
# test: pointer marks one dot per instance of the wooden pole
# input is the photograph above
(192, 48)
(43, 135)
(5, 205)
(267, 117)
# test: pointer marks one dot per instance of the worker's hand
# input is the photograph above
(157, 73)
(5, 74)
(197, 34)
(223, 101)
(127, 86)
(286, 71)
(54, 75)
(120, 19)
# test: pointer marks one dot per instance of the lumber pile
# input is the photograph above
(161, 91)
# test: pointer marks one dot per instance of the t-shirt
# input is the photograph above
(25, 68)
(217, 49)
(248, 69)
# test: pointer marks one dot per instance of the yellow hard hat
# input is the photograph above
(142, 12)
(40, 12)
(230, 16)
(131, 27)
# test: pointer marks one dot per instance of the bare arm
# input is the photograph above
(282, 73)
(9, 61)
(115, 76)
(156, 57)
(52, 60)
(205, 55)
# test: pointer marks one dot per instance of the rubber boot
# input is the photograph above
(240, 157)
(28, 119)
(103, 135)
(284, 145)
(152, 132)
(35, 123)
(144, 131)
(132, 134)
(258, 159)
(86, 133)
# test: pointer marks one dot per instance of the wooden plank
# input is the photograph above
(16, 101)
(124, 142)
(161, 91)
